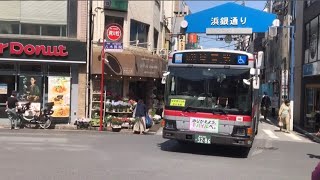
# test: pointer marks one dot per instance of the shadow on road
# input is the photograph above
(200, 149)
(313, 156)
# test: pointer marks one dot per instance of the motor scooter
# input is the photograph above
(26, 117)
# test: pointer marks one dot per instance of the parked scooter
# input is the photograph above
(41, 118)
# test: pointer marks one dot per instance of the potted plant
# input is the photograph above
(108, 106)
(116, 124)
(107, 120)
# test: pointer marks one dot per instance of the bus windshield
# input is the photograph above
(209, 89)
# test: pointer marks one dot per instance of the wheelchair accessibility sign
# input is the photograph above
(242, 60)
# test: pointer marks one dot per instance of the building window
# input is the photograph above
(307, 42)
(30, 29)
(30, 18)
(313, 40)
(112, 19)
(51, 30)
(312, 46)
(312, 107)
(61, 70)
(139, 33)
(9, 27)
(155, 39)
(7, 67)
(30, 68)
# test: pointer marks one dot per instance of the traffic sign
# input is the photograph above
(114, 32)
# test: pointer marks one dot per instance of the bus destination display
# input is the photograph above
(220, 58)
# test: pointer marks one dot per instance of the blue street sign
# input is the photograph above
(113, 46)
(229, 15)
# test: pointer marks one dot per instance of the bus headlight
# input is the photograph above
(240, 131)
(169, 124)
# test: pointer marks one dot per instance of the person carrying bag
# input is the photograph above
(140, 113)
(284, 116)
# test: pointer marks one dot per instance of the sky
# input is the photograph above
(210, 41)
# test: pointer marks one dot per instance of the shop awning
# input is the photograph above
(118, 63)
(128, 63)
(148, 65)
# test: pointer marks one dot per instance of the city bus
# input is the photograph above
(212, 97)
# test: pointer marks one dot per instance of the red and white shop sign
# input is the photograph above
(17, 48)
(114, 32)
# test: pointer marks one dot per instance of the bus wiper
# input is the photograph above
(219, 111)
(189, 109)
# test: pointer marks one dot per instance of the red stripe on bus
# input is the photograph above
(230, 117)
(251, 59)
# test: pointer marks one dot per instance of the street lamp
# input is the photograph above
(292, 60)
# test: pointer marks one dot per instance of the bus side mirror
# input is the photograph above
(256, 82)
(259, 60)
(163, 80)
(164, 77)
(254, 71)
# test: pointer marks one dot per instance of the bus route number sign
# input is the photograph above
(219, 58)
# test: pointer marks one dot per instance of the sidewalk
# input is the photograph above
(311, 136)
(5, 124)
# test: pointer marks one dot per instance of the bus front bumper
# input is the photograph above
(189, 136)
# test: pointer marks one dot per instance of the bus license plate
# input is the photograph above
(202, 139)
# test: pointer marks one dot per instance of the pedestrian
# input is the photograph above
(316, 173)
(285, 115)
(11, 105)
(265, 105)
(140, 113)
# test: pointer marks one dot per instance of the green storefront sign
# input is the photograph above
(119, 5)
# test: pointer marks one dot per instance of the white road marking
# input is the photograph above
(293, 136)
(270, 134)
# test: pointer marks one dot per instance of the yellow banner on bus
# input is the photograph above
(178, 102)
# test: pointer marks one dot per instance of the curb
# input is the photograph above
(311, 136)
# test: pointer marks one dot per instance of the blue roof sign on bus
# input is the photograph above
(228, 16)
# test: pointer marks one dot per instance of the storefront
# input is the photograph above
(311, 89)
(128, 74)
(311, 75)
(42, 71)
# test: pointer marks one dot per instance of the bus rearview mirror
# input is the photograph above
(163, 80)
(259, 59)
(256, 82)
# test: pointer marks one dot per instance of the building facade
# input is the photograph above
(43, 55)
(133, 65)
(276, 45)
(307, 58)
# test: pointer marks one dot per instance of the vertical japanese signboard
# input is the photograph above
(113, 38)
(59, 93)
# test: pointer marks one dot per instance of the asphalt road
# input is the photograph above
(59, 155)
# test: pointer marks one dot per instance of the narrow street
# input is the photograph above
(73, 155)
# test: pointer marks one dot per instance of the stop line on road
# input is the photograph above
(282, 136)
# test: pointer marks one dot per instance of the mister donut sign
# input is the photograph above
(114, 32)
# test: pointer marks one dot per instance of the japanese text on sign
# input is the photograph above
(178, 102)
(225, 21)
(204, 125)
